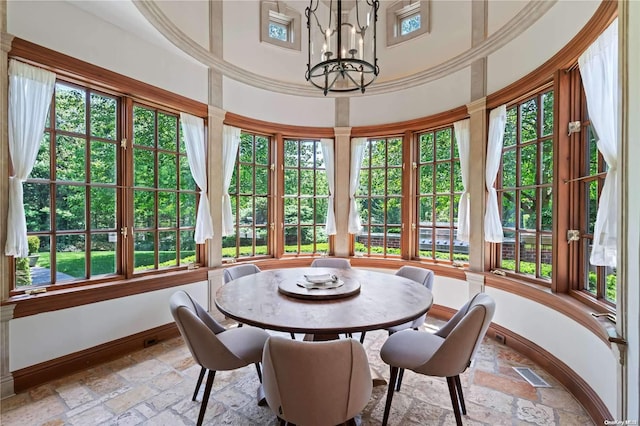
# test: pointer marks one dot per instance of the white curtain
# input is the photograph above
(599, 71)
(193, 129)
(30, 93)
(230, 143)
(462, 132)
(357, 153)
(492, 223)
(329, 164)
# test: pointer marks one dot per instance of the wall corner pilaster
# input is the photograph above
(342, 148)
(6, 378)
(214, 154)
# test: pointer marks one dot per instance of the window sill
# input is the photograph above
(54, 299)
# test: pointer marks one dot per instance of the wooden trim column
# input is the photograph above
(342, 154)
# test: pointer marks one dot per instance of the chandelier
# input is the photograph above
(342, 44)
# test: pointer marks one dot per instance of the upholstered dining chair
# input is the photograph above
(331, 262)
(212, 346)
(447, 353)
(238, 271)
(315, 383)
(242, 270)
(420, 275)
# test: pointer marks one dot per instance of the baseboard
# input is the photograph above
(38, 374)
(580, 389)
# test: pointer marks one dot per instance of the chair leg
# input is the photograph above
(362, 337)
(205, 397)
(293, 336)
(451, 382)
(200, 377)
(240, 324)
(387, 405)
(401, 373)
(460, 395)
(259, 371)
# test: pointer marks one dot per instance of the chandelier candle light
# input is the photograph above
(342, 44)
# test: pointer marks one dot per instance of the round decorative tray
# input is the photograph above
(303, 289)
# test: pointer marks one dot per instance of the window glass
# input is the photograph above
(525, 190)
(278, 31)
(249, 192)
(439, 185)
(410, 24)
(379, 198)
(306, 195)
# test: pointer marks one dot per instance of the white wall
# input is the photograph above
(264, 105)
(49, 335)
(538, 43)
(67, 29)
(441, 95)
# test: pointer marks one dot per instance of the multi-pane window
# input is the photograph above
(439, 188)
(406, 21)
(249, 192)
(77, 196)
(280, 25)
(164, 192)
(306, 195)
(525, 187)
(379, 198)
(591, 170)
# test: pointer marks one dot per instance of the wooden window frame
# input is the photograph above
(454, 196)
(367, 224)
(236, 194)
(314, 224)
(519, 230)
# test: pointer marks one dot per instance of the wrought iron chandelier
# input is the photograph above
(342, 44)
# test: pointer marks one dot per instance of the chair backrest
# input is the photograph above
(238, 271)
(331, 263)
(420, 275)
(461, 338)
(315, 383)
(200, 334)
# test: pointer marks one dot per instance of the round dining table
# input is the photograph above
(365, 300)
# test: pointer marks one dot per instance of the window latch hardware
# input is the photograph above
(574, 127)
(124, 232)
(573, 235)
(123, 143)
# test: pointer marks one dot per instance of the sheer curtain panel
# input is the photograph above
(492, 224)
(193, 128)
(599, 71)
(30, 93)
(462, 133)
(230, 144)
(329, 164)
(357, 153)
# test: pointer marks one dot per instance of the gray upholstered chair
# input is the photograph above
(316, 383)
(331, 262)
(447, 353)
(420, 275)
(212, 346)
(238, 271)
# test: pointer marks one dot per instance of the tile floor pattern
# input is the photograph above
(153, 386)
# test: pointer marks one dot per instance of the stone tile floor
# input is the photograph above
(153, 386)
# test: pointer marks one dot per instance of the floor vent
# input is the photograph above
(531, 377)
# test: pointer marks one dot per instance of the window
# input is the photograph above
(590, 169)
(164, 192)
(306, 195)
(439, 188)
(525, 187)
(249, 192)
(280, 25)
(406, 20)
(379, 198)
(77, 195)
